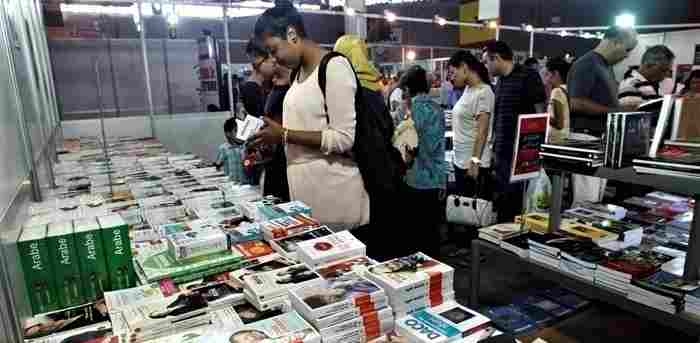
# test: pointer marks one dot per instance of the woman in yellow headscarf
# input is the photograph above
(355, 49)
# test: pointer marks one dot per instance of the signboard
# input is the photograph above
(531, 132)
(471, 35)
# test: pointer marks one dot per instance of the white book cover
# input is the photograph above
(371, 324)
(286, 328)
(247, 127)
(267, 263)
(168, 311)
(288, 246)
(411, 274)
(272, 284)
(280, 303)
(116, 300)
(445, 323)
(350, 314)
(330, 248)
(415, 304)
(357, 265)
(185, 245)
(336, 295)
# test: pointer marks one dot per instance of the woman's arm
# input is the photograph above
(482, 133)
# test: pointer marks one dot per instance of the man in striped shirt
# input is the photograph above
(644, 84)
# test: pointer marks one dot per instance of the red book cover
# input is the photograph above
(254, 249)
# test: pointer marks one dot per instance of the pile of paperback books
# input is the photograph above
(414, 282)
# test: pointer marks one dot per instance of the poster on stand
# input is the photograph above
(531, 132)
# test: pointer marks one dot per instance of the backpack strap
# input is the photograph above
(322, 67)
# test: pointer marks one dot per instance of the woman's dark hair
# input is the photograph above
(695, 74)
(463, 57)
(415, 81)
(254, 49)
(560, 65)
(277, 20)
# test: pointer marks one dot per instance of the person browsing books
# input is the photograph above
(556, 71)
(230, 155)
(319, 170)
(275, 181)
(472, 122)
(426, 179)
(645, 84)
(252, 91)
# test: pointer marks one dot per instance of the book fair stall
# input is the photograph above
(120, 225)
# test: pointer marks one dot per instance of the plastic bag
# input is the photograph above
(539, 192)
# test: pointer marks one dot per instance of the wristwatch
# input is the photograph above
(476, 160)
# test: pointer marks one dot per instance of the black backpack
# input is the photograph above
(380, 163)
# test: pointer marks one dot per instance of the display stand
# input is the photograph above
(682, 321)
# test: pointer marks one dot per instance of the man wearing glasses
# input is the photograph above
(592, 85)
(645, 84)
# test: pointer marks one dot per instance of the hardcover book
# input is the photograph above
(159, 264)
(242, 232)
(288, 246)
(65, 267)
(91, 258)
(589, 232)
(33, 250)
(510, 320)
(446, 323)
(186, 245)
(117, 247)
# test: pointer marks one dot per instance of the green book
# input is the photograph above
(34, 255)
(91, 258)
(161, 264)
(117, 249)
(65, 264)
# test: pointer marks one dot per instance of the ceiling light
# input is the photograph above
(440, 20)
(390, 16)
(350, 11)
(625, 20)
(411, 55)
(564, 33)
(528, 27)
(492, 24)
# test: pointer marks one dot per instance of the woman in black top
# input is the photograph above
(276, 169)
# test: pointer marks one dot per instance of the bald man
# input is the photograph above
(592, 85)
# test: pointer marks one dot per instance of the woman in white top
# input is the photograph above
(555, 74)
(472, 118)
(318, 167)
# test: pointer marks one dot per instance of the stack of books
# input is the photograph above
(241, 232)
(449, 322)
(628, 136)
(517, 245)
(287, 226)
(345, 308)
(542, 250)
(673, 160)
(580, 258)
(588, 232)
(268, 290)
(286, 327)
(327, 249)
(619, 270)
(499, 232)
(414, 282)
(573, 153)
(662, 291)
(288, 246)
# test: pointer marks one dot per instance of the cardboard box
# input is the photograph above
(115, 239)
(34, 255)
(64, 259)
(91, 258)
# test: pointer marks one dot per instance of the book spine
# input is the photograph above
(38, 277)
(118, 255)
(65, 270)
(93, 269)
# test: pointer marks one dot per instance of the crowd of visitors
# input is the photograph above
(314, 101)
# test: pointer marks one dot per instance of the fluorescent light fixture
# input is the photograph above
(350, 11)
(411, 55)
(625, 20)
(256, 3)
(564, 33)
(440, 20)
(529, 28)
(309, 7)
(390, 16)
(588, 35)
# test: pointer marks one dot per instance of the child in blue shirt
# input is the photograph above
(231, 154)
